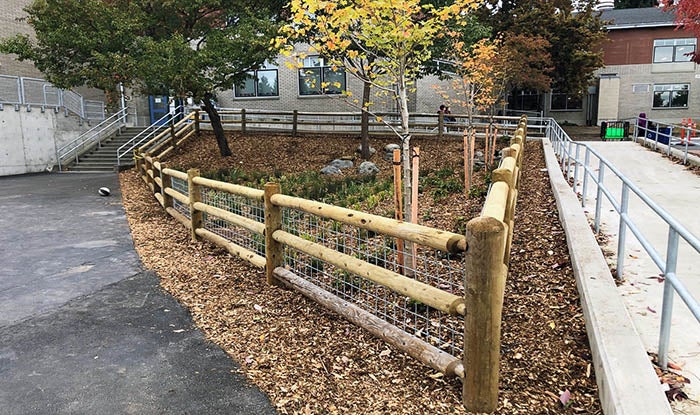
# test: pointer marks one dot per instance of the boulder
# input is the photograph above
(342, 164)
(367, 168)
(331, 170)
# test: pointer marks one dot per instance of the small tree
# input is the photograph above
(179, 47)
(394, 35)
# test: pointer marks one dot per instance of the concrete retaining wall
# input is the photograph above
(28, 140)
(627, 384)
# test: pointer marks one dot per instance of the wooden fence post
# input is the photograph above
(295, 120)
(243, 127)
(484, 287)
(441, 124)
(274, 251)
(195, 195)
(138, 160)
(167, 182)
(173, 139)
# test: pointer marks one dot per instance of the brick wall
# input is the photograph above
(10, 11)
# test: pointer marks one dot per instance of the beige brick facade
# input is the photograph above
(10, 12)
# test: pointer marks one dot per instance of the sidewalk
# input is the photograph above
(83, 329)
(678, 192)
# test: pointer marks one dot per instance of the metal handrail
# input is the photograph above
(114, 122)
(153, 128)
(564, 148)
(641, 129)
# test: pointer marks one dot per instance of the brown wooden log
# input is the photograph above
(175, 173)
(413, 346)
(398, 208)
(496, 201)
(195, 195)
(274, 250)
(232, 248)
(166, 183)
(184, 220)
(185, 200)
(232, 218)
(426, 294)
(196, 122)
(505, 172)
(484, 288)
(159, 198)
(235, 189)
(423, 235)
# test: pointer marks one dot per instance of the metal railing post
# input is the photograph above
(576, 162)
(584, 191)
(568, 160)
(656, 137)
(622, 233)
(599, 195)
(667, 305)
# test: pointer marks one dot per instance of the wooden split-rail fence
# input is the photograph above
(337, 257)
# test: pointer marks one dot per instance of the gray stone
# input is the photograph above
(331, 170)
(479, 155)
(342, 164)
(367, 168)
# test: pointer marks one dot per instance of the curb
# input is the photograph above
(627, 383)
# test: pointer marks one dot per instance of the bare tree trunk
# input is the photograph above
(216, 125)
(364, 123)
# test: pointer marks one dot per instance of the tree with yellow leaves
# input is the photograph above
(387, 41)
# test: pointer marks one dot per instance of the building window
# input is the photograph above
(524, 101)
(671, 96)
(566, 102)
(674, 50)
(260, 83)
(317, 78)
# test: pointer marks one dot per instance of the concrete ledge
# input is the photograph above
(627, 383)
(663, 148)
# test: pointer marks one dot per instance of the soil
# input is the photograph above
(310, 361)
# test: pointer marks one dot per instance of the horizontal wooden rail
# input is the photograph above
(495, 205)
(422, 235)
(238, 220)
(184, 199)
(175, 173)
(415, 347)
(247, 192)
(234, 249)
(179, 217)
(426, 294)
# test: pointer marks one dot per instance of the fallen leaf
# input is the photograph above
(565, 397)
(674, 366)
(258, 307)
(651, 309)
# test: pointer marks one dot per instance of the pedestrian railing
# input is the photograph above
(148, 133)
(655, 133)
(33, 92)
(581, 163)
(90, 138)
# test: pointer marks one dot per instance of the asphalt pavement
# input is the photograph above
(83, 328)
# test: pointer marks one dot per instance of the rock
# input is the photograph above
(367, 168)
(331, 170)
(389, 148)
(479, 155)
(341, 164)
(372, 150)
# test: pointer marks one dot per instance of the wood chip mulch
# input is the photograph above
(310, 361)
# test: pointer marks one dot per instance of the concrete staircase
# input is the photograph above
(104, 157)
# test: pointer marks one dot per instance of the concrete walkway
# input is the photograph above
(83, 330)
(678, 192)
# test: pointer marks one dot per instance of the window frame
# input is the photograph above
(567, 99)
(663, 44)
(672, 92)
(320, 68)
(256, 80)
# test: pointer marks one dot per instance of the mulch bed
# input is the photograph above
(310, 361)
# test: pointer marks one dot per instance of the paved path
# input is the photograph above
(83, 330)
(677, 191)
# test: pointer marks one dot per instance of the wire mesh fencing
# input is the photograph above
(241, 206)
(439, 269)
(180, 186)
